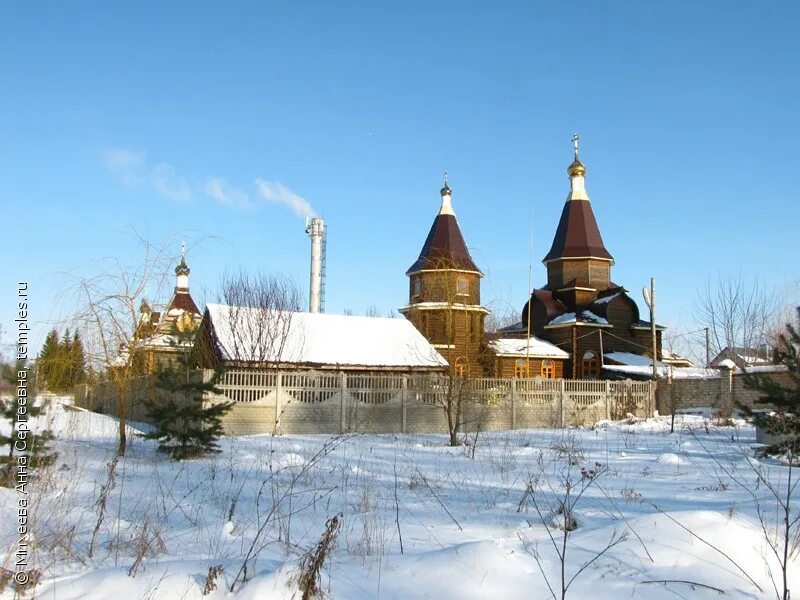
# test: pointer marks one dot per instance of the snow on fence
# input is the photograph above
(325, 402)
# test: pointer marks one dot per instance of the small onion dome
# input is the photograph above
(576, 169)
(446, 190)
(182, 268)
(144, 307)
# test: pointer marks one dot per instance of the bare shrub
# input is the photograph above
(555, 499)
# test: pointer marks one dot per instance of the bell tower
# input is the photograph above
(444, 298)
(578, 264)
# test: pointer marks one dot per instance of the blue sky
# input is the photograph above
(140, 116)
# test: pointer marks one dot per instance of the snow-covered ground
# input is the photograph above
(419, 519)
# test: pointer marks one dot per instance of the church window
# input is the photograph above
(590, 365)
(462, 286)
(520, 368)
(417, 287)
(548, 369)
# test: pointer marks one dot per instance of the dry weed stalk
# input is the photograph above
(102, 501)
(309, 580)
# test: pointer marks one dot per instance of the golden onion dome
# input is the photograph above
(576, 169)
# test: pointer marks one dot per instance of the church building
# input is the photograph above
(581, 310)
(156, 332)
(445, 294)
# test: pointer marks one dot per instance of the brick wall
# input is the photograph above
(722, 393)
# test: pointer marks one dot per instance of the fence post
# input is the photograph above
(513, 403)
(608, 400)
(562, 397)
(343, 390)
(278, 392)
(652, 397)
(403, 398)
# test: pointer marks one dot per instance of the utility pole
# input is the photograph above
(650, 298)
(708, 348)
(653, 324)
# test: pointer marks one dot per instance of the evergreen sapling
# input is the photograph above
(784, 422)
(32, 445)
(184, 427)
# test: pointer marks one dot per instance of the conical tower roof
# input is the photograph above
(444, 248)
(577, 235)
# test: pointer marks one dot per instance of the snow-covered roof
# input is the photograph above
(727, 364)
(766, 369)
(674, 357)
(319, 339)
(742, 356)
(453, 305)
(663, 371)
(607, 299)
(532, 346)
(631, 359)
(585, 317)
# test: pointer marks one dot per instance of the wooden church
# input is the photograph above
(572, 326)
(581, 310)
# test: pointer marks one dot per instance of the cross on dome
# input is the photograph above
(446, 188)
(576, 169)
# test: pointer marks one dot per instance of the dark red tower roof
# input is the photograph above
(578, 235)
(444, 248)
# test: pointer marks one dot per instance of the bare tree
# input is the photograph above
(772, 491)
(260, 310)
(455, 329)
(555, 498)
(107, 312)
(502, 315)
(372, 311)
(738, 313)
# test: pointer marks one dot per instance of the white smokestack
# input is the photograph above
(315, 228)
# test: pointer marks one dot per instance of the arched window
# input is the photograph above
(461, 366)
(548, 370)
(590, 365)
(520, 368)
(418, 286)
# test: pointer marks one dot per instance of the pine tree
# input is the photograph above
(785, 421)
(77, 362)
(184, 427)
(47, 361)
(36, 445)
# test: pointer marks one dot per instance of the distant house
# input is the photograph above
(675, 360)
(743, 357)
(237, 337)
